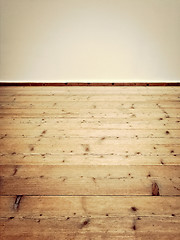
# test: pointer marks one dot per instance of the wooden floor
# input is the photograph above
(90, 163)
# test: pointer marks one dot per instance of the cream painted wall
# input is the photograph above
(90, 40)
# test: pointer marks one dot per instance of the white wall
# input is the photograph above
(86, 40)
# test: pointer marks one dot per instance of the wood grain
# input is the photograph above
(90, 163)
(89, 206)
(91, 228)
(89, 180)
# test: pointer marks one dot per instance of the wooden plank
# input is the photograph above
(136, 147)
(45, 123)
(89, 206)
(90, 159)
(156, 98)
(79, 110)
(88, 180)
(61, 141)
(96, 122)
(79, 90)
(137, 125)
(90, 133)
(129, 172)
(67, 106)
(91, 228)
(51, 113)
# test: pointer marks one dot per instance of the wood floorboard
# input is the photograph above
(89, 133)
(90, 163)
(92, 206)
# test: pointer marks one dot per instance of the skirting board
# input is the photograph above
(90, 84)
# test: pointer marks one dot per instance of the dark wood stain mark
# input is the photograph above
(167, 132)
(134, 209)
(160, 118)
(67, 218)
(172, 151)
(32, 149)
(107, 214)
(138, 153)
(11, 217)
(5, 135)
(155, 189)
(134, 227)
(43, 132)
(87, 149)
(103, 138)
(86, 222)
(177, 188)
(162, 162)
(94, 179)
(173, 214)
(15, 170)
(17, 202)
(13, 153)
(149, 175)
